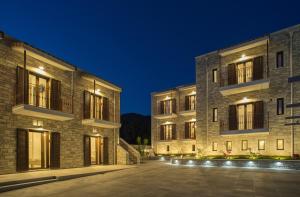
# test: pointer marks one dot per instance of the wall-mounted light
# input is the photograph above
(167, 98)
(245, 99)
(193, 92)
(41, 67)
(97, 91)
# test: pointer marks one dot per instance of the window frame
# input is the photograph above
(282, 144)
(245, 115)
(215, 114)
(227, 149)
(244, 70)
(214, 146)
(278, 101)
(165, 107)
(242, 147)
(190, 102)
(165, 130)
(190, 123)
(168, 148)
(279, 53)
(264, 148)
(193, 148)
(215, 75)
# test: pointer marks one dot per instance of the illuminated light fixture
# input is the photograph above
(97, 91)
(168, 122)
(193, 119)
(162, 159)
(243, 56)
(193, 92)
(207, 162)
(190, 162)
(167, 97)
(41, 67)
(95, 131)
(278, 164)
(228, 163)
(176, 161)
(245, 99)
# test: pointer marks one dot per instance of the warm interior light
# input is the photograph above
(245, 99)
(193, 92)
(243, 56)
(167, 97)
(41, 68)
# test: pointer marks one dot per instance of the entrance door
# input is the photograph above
(92, 150)
(38, 148)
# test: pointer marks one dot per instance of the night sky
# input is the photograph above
(142, 46)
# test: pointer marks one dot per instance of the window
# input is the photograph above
(261, 144)
(193, 147)
(245, 116)
(244, 71)
(214, 75)
(168, 106)
(215, 114)
(280, 106)
(190, 130)
(244, 144)
(214, 146)
(190, 102)
(38, 91)
(167, 131)
(168, 148)
(228, 146)
(279, 59)
(280, 144)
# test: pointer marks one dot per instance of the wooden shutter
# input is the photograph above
(105, 151)
(22, 150)
(174, 131)
(186, 130)
(187, 103)
(22, 86)
(86, 105)
(258, 115)
(55, 150)
(55, 97)
(231, 74)
(161, 107)
(161, 132)
(232, 117)
(87, 150)
(258, 68)
(174, 106)
(105, 108)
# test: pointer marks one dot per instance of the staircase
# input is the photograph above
(134, 155)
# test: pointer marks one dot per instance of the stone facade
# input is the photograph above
(178, 145)
(263, 85)
(73, 83)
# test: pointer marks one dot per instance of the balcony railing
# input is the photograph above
(40, 96)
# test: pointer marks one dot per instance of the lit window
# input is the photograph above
(168, 106)
(244, 144)
(280, 144)
(214, 146)
(228, 146)
(190, 102)
(215, 114)
(214, 75)
(279, 59)
(190, 130)
(245, 116)
(166, 131)
(280, 106)
(244, 71)
(261, 144)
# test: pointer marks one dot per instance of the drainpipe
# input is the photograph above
(206, 70)
(24, 77)
(115, 154)
(292, 90)
(94, 103)
(72, 92)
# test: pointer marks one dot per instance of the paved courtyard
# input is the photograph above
(159, 179)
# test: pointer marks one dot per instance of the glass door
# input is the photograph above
(95, 150)
(38, 143)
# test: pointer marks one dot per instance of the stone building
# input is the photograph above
(247, 97)
(173, 121)
(52, 114)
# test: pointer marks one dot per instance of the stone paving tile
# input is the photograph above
(158, 179)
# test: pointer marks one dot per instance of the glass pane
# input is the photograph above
(42, 92)
(35, 150)
(241, 117)
(32, 89)
(249, 116)
(240, 73)
(249, 71)
(93, 151)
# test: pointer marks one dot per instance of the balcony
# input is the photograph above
(165, 116)
(39, 103)
(101, 123)
(245, 87)
(225, 131)
(188, 113)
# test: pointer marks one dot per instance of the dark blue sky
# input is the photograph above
(142, 46)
